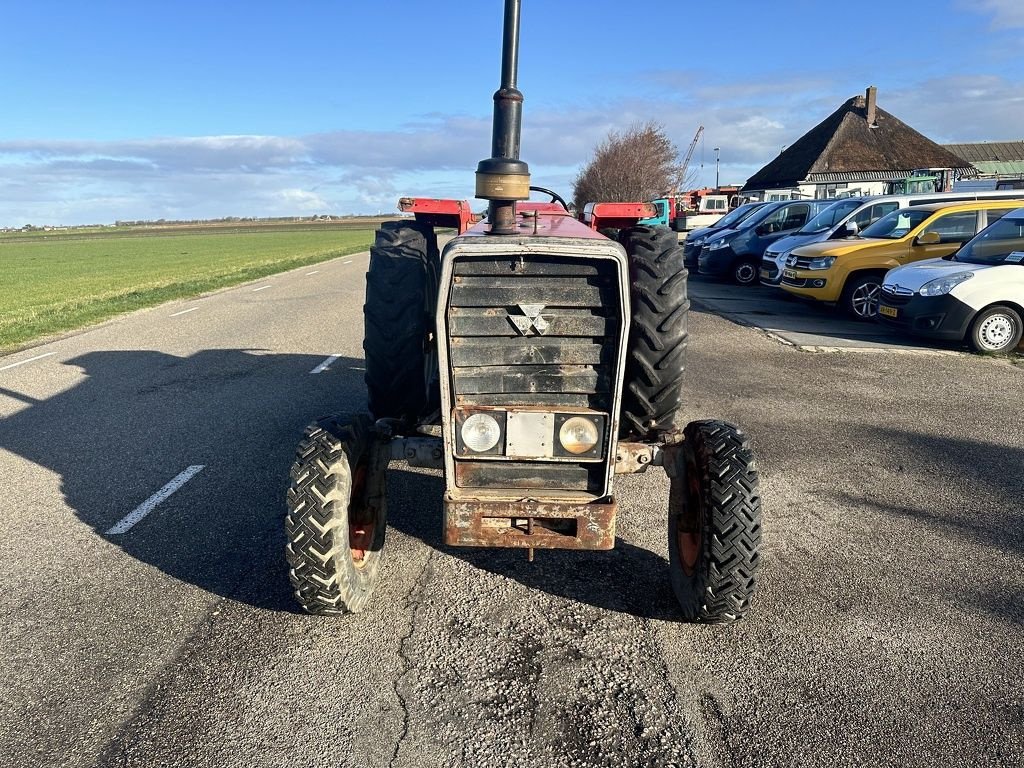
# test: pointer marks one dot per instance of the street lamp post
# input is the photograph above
(716, 169)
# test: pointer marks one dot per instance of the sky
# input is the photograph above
(138, 110)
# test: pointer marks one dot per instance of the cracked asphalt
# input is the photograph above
(887, 629)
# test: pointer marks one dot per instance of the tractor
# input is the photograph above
(532, 361)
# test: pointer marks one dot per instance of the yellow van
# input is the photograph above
(849, 272)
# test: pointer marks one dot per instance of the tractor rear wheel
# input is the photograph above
(337, 513)
(714, 523)
(657, 339)
(401, 296)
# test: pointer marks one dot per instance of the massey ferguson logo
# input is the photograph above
(531, 319)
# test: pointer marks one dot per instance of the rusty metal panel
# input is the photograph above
(531, 475)
(526, 525)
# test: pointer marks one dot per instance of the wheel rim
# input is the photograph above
(996, 332)
(864, 299)
(745, 273)
(361, 526)
(688, 531)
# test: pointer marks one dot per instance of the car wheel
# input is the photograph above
(744, 272)
(996, 330)
(861, 295)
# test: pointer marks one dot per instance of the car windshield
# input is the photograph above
(736, 216)
(897, 224)
(829, 217)
(758, 215)
(1001, 243)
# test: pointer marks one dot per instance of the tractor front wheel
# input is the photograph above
(337, 512)
(714, 524)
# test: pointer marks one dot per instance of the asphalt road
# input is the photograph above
(888, 629)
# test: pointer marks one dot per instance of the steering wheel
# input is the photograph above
(555, 197)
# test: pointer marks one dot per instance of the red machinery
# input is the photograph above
(532, 361)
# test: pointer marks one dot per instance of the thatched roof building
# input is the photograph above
(858, 144)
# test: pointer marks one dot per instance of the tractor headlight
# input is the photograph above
(578, 435)
(480, 432)
(944, 285)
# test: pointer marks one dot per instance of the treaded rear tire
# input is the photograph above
(719, 494)
(401, 295)
(337, 486)
(656, 354)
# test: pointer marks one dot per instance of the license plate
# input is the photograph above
(888, 311)
(789, 273)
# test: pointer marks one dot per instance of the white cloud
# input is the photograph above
(348, 171)
(1006, 14)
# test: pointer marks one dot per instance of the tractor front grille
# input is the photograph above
(538, 331)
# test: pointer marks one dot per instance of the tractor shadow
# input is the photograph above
(138, 418)
(627, 579)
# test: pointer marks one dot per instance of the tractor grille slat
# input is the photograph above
(525, 474)
(490, 291)
(565, 357)
(482, 352)
(494, 321)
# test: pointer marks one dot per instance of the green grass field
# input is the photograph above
(50, 284)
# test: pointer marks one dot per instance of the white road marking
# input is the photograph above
(151, 503)
(325, 364)
(261, 288)
(29, 360)
(347, 262)
(314, 272)
(185, 311)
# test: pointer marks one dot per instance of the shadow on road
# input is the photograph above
(628, 579)
(989, 474)
(141, 417)
(800, 322)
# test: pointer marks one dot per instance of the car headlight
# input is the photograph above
(578, 435)
(718, 245)
(944, 285)
(480, 432)
(823, 262)
(697, 242)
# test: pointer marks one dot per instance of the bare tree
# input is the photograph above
(637, 164)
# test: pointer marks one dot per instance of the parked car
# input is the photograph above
(735, 254)
(844, 218)
(850, 272)
(696, 238)
(977, 294)
(870, 210)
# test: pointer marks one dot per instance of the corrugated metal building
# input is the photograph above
(992, 158)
